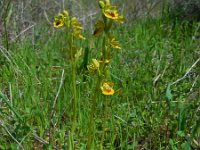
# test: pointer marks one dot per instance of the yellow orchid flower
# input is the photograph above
(65, 13)
(110, 11)
(93, 66)
(107, 2)
(59, 20)
(95, 63)
(78, 54)
(103, 4)
(58, 23)
(77, 34)
(107, 89)
(106, 61)
(111, 14)
(75, 23)
(114, 44)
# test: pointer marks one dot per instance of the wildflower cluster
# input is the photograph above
(99, 66)
(103, 27)
(73, 31)
(63, 19)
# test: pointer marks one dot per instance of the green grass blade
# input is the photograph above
(10, 106)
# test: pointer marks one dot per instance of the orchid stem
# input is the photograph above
(90, 134)
(104, 121)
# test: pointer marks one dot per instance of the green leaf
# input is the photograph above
(180, 133)
(169, 96)
(171, 142)
(7, 102)
(85, 60)
(181, 118)
(186, 146)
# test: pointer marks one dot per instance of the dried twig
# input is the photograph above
(195, 81)
(5, 128)
(47, 17)
(39, 139)
(8, 56)
(54, 104)
(188, 72)
(120, 119)
(5, 25)
(57, 94)
(22, 32)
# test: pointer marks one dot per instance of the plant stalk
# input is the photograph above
(90, 134)
(104, 121)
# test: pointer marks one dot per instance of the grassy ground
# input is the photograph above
(149, 110)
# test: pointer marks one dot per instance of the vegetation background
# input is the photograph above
(156, 73)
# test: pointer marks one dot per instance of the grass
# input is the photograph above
(143, 113)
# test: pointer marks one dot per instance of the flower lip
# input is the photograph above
(58, 23)
(111, 14)
(107, 89)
